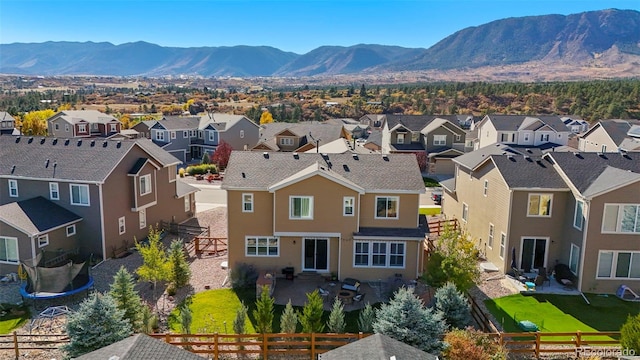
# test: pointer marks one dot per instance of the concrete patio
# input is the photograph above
(551, 287)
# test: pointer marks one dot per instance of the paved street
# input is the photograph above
(209, 197)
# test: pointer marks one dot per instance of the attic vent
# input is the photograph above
(42, 141)
(296, 156)
(66, 142)
(55, 141)
(346, 167)
(30, 140)
(93, 143)
(17, 139)
(79, 142)
(511, 157)
(119, 144)
(529, 151)
(46, 163)
(355, 156)
(528, 158)
(244, 176)
(104, 144)
(265, 155)
(385, 157)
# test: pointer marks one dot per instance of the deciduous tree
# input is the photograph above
(155, 265)
(266, 118)
(454, 259)
(35, 122)
(222, 154)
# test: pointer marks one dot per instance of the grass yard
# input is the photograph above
(428, 211)
(10, 320)
(212, 307)
(562, 313)
(429, 182)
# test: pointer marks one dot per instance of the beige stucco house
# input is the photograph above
(611, 135)
(347, 214)
(530, 210)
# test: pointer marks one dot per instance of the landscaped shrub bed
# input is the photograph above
(202, 169)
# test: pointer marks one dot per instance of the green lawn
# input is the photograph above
(212, 307)
(429, 182)
(562, 313)
(11, 321)
(428, 211)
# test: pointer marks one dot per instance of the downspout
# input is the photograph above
(339, 253)
(104, 245)
(33, 247)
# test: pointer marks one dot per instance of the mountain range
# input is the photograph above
(597, 38)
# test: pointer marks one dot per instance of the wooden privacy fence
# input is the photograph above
(540, 343)
(210, 245)
(480, 317)
(19, 342)
(438, 226)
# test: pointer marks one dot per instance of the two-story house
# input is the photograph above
(93, 194)
(299, 137)
(575, 125)
(611, 135)
(7, 123)
(525, 130)
(579, 209)
(175, 134)
(82, 124)
(325, 213)
(356, 129)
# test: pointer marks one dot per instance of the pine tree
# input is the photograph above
(406, 319)
(127, 298)
(336, 322)
(311, 317)
(453, 306)
(239, 321)
(205, 158)
(366, 319)
(97, 323)
(186, 318)
(149, 320)
(289, 319)
(263, 314)
(180, 271)
(630, 334)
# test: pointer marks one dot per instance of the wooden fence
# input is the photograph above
(274, 345)
(438, 226)
(210, 245)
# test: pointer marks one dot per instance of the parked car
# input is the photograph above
(436, 196)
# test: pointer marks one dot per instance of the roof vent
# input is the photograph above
(529, 151)
(66, 142)
(17, 139)
(46, 163)
(296, 156)
(385, 157)
(355, 156)
(55, 141)
(93, 143)
(602, 155)
(104, 144)
(119, 144)
(42, 140)
(265, 155)
(30, 140)
(511, 157)
(80, 142)
(528, 158)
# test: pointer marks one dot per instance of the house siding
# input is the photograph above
(232, 135)
(594, 141)
(24, 246)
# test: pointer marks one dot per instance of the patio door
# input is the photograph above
(533, 253)
(316, 254)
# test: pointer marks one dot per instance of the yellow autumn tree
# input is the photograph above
(35, 122)
(126, 121)
(266, 118)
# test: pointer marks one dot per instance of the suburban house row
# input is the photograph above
(87, 195)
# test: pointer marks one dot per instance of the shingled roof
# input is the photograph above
(178, 123)
(36, 216)
(528, 172)
(377, 347)
(90, 116)
(140, 347)
(372, 172)
(86, 160)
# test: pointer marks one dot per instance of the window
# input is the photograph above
(94, 127)
(66, 127)
(458, 137)
(379, 254)
(574, 255)
(485, 189)
(142, 218)
(440, 140)
(71, 230)
(241, 134)
(526, 137)
(212, 135)
(503, 244)
(415, 136)
(82, 128)
(400, 139)
(604, 148)
(387, 207)
(301, 207)
(286, 141)
(56, 126)
(79, 194)
(185, 134)
(13, 188)
(121, 226)
(192, 133)
(262, 246)
(540, 205)
(9, 250)
(465, 212)
(43, 240)
(200, 134)
(113, 127)
(621, 218)
(173, 135)
(145, 184)
(491, 229)
(544, 137)
(160, 135)
(619, 264)
(347, 208)
(247, 202)
(187, 203)
(54, 191)
(578, 216)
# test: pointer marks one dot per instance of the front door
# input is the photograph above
(316, 253)
(534, 254)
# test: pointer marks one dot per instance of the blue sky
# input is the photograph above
(297, 26)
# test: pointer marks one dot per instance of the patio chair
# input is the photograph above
(542, 271)
(351, 284)
(519, 276)
(359, 297)
(539, 281)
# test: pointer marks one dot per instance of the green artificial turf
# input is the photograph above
(562, 313)
(10, 321)
(429, 182)
(428, 211)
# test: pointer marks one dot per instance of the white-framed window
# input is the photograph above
(192, 133)
(13, 188)
(348, 203)
(8, 250)
(485, 188)
(172, 135)
(465, 212)
(71, 230)
(241, 134)
(113, 127)
(440, 140)
(491, 231)
(79, 194)
(603, 149)
(578, 215)
(387, 207)
(212, 136)
(247, 203)
(621, 218)
(54, 191)
(301, 207)
(56, 126)
(185, 134)
(145, 184)
(66, 127)
(503, 244)
(82, 128)
(618, 264)
(43, 240)
(187, 203)
(200, 134)
(380, 254)
(142, 218)
(122, 226)
(400, 138)
(544, 137)
(262, 246)
(540, 205)
(574, 256)
(160, 135)
(286, 141)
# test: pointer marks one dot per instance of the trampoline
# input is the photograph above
(47, 283)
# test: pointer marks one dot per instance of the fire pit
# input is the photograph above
(346, 296)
